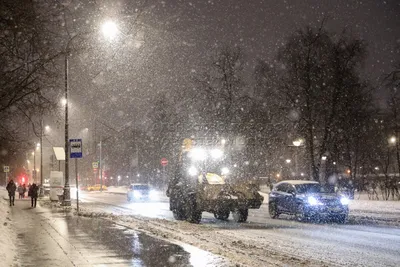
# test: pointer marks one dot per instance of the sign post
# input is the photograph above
(164, 163)
(76, 152)
(6, 170)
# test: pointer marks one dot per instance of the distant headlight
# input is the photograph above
(313, 201)
(137, 194)
(224, 171)
(192, 171)
(344, 201)
(217, 153)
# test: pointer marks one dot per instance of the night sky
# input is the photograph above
(179, 37)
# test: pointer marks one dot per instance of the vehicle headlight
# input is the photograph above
(344, 201)
(192, 171)
(217, 153)
(198, 154)
(224, 171)
(137, 194)
(313, 201)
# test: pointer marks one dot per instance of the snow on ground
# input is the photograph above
(7, 235)
(117, 189)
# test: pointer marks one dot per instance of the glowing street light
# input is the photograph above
(323, 158)
(392, 140)
(64, 101)
(297, 142)
(109, 29)
(47, 128)
(288, 161)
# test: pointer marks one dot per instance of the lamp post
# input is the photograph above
(34, 167)
(297, 143)
(110, 30)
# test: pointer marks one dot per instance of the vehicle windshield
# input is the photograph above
(308, 188)
(141, 187)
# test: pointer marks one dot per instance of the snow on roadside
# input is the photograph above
(7, 235)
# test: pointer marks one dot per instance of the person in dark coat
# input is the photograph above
(20, 190)
(33, 192)
(11, 188)
(24, 187)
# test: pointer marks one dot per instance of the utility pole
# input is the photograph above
(67, 192)
(101, 168)
(34, 167)
(41, 193)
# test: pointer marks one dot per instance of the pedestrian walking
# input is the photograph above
(11, 188)
(33, 192)
(20, 190)
(24, 188)
(29, 189)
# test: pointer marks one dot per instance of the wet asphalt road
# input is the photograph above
(53, 237)
(349, 244)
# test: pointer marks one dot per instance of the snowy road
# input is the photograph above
(263, 240)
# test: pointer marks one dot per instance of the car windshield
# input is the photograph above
(141, 187)
(308, 188)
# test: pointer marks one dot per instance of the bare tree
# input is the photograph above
(319, 82)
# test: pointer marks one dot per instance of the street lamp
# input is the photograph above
(297, 143)
(109, 30)
(392, 140)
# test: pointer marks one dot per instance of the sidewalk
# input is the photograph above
(54, 236)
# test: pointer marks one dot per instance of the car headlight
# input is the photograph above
(313, 201)
(344, 201)
(137, 194)
(192, 171)
(198, 154)
(217, 153)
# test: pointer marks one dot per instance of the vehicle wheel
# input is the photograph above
(301, 215)
(179, 215)
(193, 212)
(273, 210)
(194, 216)
(222, 215)
(240, 215)
(341, 218)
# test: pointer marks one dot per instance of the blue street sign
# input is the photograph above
(75, 148)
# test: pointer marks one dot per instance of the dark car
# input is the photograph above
(137, 192)
(307, 200)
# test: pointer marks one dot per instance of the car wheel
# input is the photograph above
(341, 218)
(301, 215)
(222, 215)
(179, 215)
(273, 210)
(240, 215)
(193, 212)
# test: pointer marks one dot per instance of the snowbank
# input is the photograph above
(117, 189)
(7, 235)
